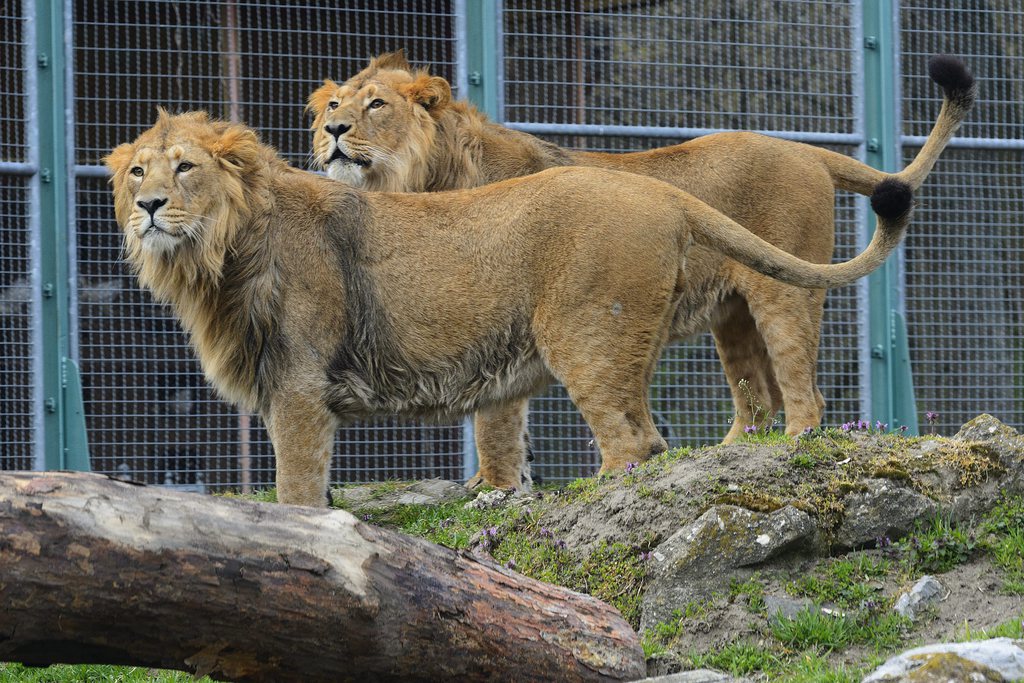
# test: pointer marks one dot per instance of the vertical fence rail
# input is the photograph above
(20, 409)
(846, 74)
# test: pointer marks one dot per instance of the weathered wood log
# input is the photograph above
(94, 570)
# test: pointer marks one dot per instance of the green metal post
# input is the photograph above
(65, 445)
(892, 392)
(482, 54)
(481, 34)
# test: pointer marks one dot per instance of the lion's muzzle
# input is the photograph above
(338, 155)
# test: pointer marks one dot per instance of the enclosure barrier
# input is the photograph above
(941, 323)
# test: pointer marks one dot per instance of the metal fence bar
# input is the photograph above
(18, 169)
(967, 143)
(35, 231)
(677, 133)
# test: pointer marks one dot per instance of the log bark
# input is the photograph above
(94, 570)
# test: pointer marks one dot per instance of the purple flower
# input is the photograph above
(808, 430)
(863, 424)
(631, 466)
(846, 426)
(931, 417)
(750, 429)
(645, 556)
(545, 532)
(881, 426)
(511, 564)
(560, 544)
(367, 518)
(493, 531)
(903, 428)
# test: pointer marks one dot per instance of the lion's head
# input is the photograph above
(376, 129)
(179, 191)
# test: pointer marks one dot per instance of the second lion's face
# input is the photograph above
(371, 132)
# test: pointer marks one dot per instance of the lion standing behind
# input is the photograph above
(395, 128)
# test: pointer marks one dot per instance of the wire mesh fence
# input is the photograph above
(609, 76)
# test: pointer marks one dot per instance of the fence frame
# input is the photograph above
(62, 443)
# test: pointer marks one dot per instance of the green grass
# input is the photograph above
(1014, 628)
(811, 667)
(91, 673)
(662, 636)
(740, 659)
(811, 629)
(851, 582)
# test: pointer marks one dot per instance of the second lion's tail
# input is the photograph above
(959, 91)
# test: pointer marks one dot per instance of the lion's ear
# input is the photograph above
(433, 92)
(237, 149)
(391, 60)
(118, 159)
(319, 98)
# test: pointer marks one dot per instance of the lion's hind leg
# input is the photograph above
(789, 321)
(607, 376)
(755, 391)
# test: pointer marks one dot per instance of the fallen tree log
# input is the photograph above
(94, 570)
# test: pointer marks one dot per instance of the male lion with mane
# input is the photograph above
(395, 128)
(316, 304)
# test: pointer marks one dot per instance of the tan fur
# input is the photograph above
(317, 304)
(766, 332)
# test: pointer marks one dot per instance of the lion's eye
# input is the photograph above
(333, 105)
(377, 103)
(185, 166)
(137, 171)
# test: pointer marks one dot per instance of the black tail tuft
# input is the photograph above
(954, 77)
(892, 200)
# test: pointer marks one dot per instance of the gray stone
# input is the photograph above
(886, 509)
(925, 592)
(701, 558)
(695, 676)
(790, 608)
(986, 428)
(489, 499)
(997, 659)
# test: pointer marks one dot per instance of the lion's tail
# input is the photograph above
(892, 201)
(959, 90)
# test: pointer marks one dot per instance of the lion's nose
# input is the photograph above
(337, 130)
(152, 205)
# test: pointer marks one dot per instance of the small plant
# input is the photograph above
(803, 461)
(762, 419)
(812, 628)
(753, 589)
(1002, 535)
(936, 548)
